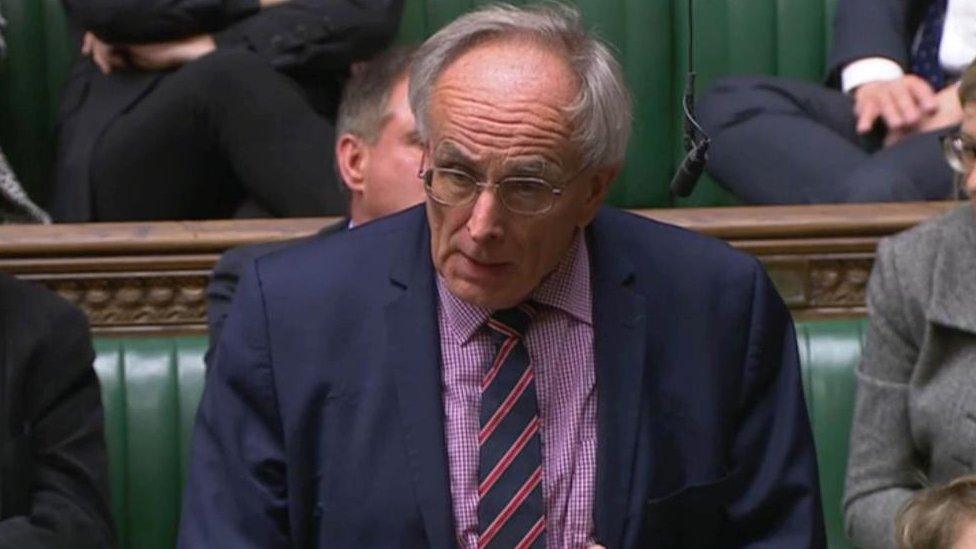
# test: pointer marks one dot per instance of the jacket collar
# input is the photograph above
(954, 273)
(414, 357)
(620, 343)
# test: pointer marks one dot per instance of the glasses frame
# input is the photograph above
(949, 151)
(427, 175)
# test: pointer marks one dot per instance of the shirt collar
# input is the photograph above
(567, 289)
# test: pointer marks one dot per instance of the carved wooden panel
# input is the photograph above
(145, 277)
(136, 301)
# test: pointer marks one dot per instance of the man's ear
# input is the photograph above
(352, 156)
(598, 185)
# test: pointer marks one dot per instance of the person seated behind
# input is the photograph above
(783, 141)
(383, 387)
(53, 465)
(941, 517)
(377, 154)
(206, 108)
(915, 412)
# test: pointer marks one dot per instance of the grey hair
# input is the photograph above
(601, 112)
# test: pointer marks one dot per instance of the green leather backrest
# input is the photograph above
(829, 353)
(786, 37)
(151, 387)
(39, 55)
(150, 391)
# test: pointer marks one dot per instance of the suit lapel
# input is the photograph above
(953, 283)
(414, 358)
(619, 341)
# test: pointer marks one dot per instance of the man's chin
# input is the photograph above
(480, 295)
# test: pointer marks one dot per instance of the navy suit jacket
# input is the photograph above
(322, 419)
(873, 28)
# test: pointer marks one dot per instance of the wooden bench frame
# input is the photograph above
(151, 277)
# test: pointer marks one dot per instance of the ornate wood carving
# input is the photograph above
(144, 277)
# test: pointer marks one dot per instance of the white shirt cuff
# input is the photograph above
(869, 69)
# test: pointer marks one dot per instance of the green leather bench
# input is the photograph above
(151, 387)
(785, 37)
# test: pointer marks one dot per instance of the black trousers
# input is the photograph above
(223, 136)
(781, 141)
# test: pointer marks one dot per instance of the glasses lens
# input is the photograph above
(960, 155)
(526, 196)
(451, 187)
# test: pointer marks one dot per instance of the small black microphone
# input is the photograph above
(695, 140)
(690, 170)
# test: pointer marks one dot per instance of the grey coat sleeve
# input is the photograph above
(883, 464)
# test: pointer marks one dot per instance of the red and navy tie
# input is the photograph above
(511, 512)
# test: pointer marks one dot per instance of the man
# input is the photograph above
(511, 365)
(776, 140)
(208, 109)
(377, 155)
(53, 463)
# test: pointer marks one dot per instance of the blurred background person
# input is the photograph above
(940, 517)
(53, 462)
(782, 141)
(915, 412)
(377, 154)
(207, 108)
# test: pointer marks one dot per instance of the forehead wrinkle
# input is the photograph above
(513, 110)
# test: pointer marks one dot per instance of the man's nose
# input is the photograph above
(487, 212)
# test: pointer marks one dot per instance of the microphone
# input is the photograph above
(695, 140)
(690, 169)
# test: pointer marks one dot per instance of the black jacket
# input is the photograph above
(313, 41)
(53, 471)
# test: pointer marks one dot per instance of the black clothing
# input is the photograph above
(782, 141)
(221, 129)
(53, 471)
(311, 41)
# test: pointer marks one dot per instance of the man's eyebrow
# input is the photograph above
(448, 152)
(538, 167)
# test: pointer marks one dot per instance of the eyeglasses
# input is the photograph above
(960, 152)
(519, 194)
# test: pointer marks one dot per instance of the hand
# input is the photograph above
(948, 112)
(269, 3)
(106, 56)
(166, 55)
(902, 103)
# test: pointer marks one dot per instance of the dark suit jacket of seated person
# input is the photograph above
(53, 465)
(377, 155)
(511, 363)
(193, 109)
(915, 413)
(786, 141)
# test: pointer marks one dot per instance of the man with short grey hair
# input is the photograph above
(513, 364)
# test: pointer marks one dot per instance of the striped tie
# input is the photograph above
(510, 507)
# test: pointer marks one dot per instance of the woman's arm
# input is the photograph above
(882, 465)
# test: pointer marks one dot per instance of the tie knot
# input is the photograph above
(512, 322)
